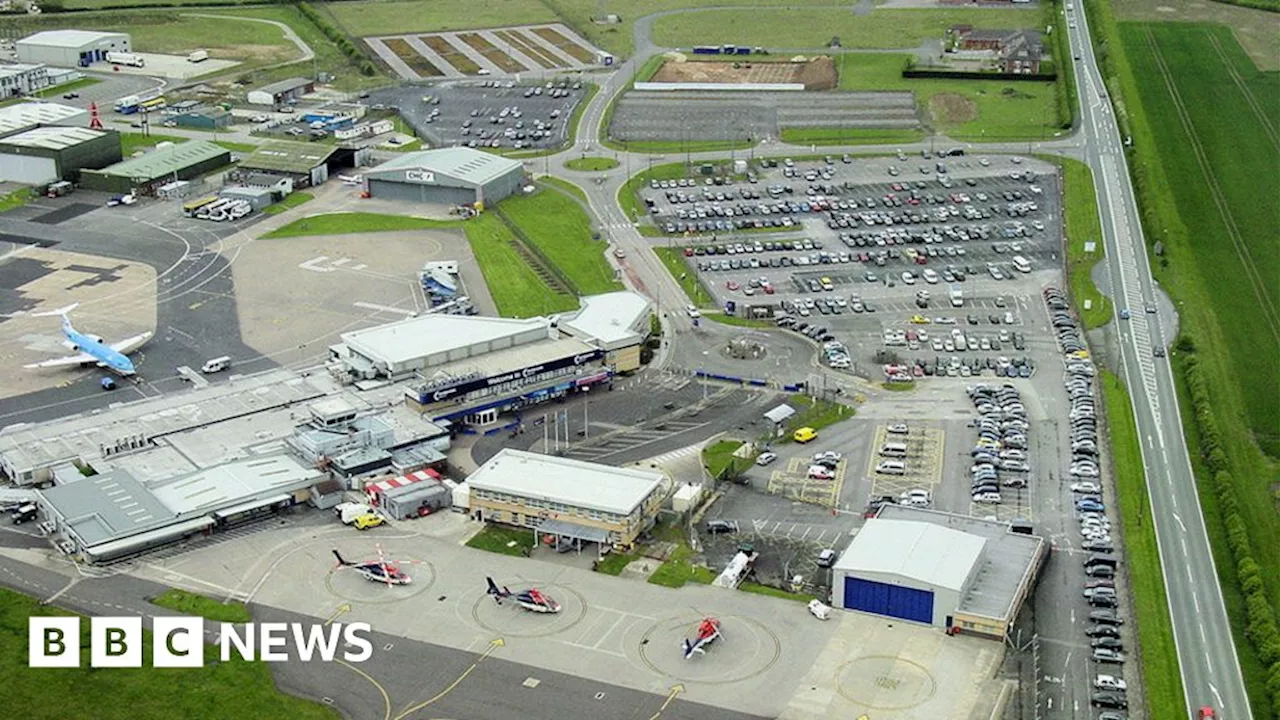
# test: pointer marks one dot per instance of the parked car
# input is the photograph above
(718, 527)
(766, 458)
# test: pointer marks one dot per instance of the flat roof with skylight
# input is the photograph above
(574, 483)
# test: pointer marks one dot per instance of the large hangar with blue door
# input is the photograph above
(954, 572)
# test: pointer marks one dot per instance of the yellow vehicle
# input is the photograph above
(804, 434)
(919, 320)
(366, 521)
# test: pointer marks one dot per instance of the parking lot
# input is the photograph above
(489, 113)
(719, 115)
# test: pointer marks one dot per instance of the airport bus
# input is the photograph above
(152, 105)
(190, 209)
(129, 104)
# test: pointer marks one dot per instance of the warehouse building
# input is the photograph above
(617, 323)
(22, 79)
(70, 48)
(24, 116)
(567, 498)
(202, 117)
(280, 93)
(447, 176)
(142, 175)
(955, 572)
(114, 515)
(410, 495)
(48, 154)
(304, 164)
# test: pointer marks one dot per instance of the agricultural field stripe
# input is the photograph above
(1258, 112)
(1265, 307)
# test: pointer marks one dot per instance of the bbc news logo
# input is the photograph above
(178, 642)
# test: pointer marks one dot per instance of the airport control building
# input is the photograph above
(469, 370)
(568, 498)
(959, 573)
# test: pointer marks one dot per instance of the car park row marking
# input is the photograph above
(924, 462)
(795, 483)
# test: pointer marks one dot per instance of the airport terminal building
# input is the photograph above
(955, 572)
(469, 370)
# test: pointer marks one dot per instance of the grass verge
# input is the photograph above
(504, 540)
(1083, 226)
(673, 259)
(222, 690)
(679, 569)
(591, 164)
(560, 229)
(189, 603)
(16, 199)
(291, 201)
(816, 414)
(59, 90)
(758, 589)
(615, 562)
(1161, 677)
(516, 288)
(721, 463)
(350, 223)
(849, 136)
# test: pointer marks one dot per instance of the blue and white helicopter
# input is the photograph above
(91, 349)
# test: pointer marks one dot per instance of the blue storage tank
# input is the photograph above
(888, 600)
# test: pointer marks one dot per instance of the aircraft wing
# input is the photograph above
(77, 359)
(128, 345)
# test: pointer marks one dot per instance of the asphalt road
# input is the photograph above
(1206, 651)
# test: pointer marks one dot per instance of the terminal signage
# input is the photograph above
(462, 388)
(421, 176)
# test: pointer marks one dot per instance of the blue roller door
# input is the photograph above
(891, 600)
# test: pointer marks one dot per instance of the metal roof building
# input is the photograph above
(47, 154)
(616, 322)
(571, 498)
(183, 161)
(281, 92)
(952, 571)
(114, 515)
(24, 116)
(70, 48)
(400, 348)
(446, 176)
(305, 163)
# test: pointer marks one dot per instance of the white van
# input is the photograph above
(894, 450)
(1021, 264)
(891, 467)
(216, 365)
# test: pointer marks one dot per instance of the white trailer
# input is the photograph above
(198, 56)
(130, 59)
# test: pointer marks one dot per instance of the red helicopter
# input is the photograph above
(708, 632)
(530, 599)
(380, 570)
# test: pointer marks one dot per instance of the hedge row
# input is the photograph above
(1260, 617)
(339, 38)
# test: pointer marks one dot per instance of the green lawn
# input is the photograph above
(758, 589)
(16, 199)
(351, 223)
(234, 689)
(814, 28)
(410, 16)
(679, 569)
(615, 562)
(189, 603)
(1160, 669)
(718, 457)
(591, 164)
(559, 227)
(962, 109)
(291, 201)
(1196, 178)
(673, 259)
(565, 186)
(516, 288)
(95, 4)
(849, 136)
(1083, 226)
(59, 90)
(504, 540)
(679, 146)
(816, 415)
(131, 142)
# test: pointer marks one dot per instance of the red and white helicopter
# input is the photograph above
(708, 632)
(381, 570)
(531, 599)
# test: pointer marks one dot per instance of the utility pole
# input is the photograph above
(586, 424)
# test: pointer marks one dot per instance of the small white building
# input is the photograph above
(23, 79)
(71, 48)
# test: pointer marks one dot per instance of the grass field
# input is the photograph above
(236, 688)
(1160, 669)
(679, 569)
(59, 90)
(189, 603)
(849, 136)
(1197, 177)
(415, 16)
(503, 539)
(591, 164)
(516, 288)
(351, 223)
(1083, 225)
(558, 226)
(291, 201)
(814, 28)
(673, 259)
(962, 109)
(719, 457)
